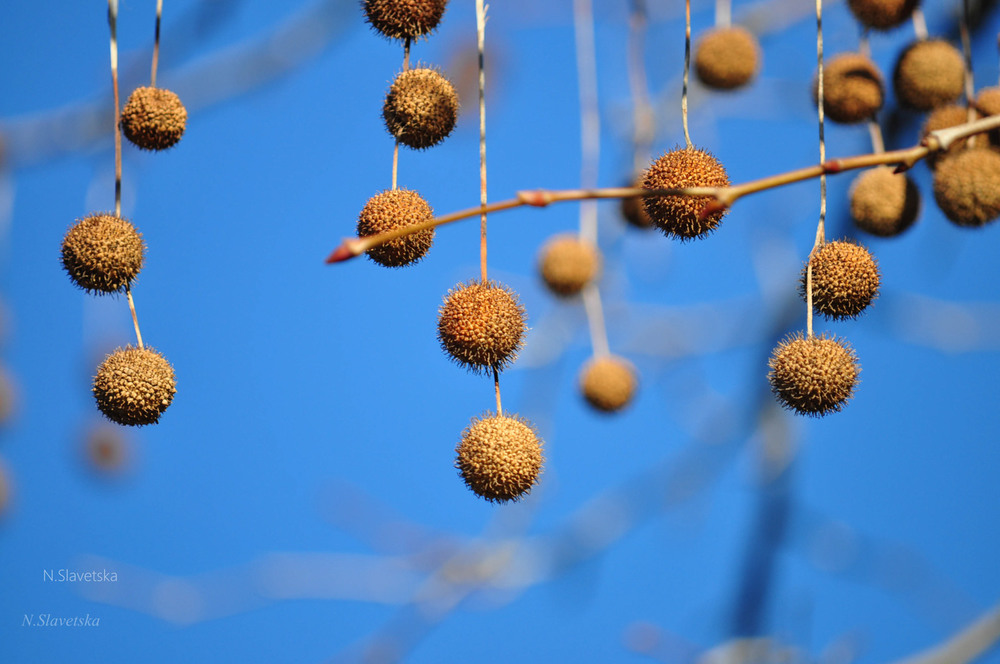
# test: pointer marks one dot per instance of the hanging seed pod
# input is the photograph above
(608, 383)
(392, 209)
(928, 74)
(568, 263)
(967, 187)
(845, 280)
(680, 216)
(103, 253)
(727, 58)
(884, 203)
(500, 457)
(404, 19)
(421, 108)
(153, 118)
(882, 14)
(134, 386)
(481, 326)
(813, 376)
(852, 88)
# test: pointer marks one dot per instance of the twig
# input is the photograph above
(821, 225)
(135, 318)
(687, 71)
(113, 24)
(481, 45)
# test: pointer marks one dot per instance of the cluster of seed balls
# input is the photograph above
(103, 254)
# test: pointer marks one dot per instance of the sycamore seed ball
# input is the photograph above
(943, 117)
(929, 73)
(882, 14)
(133, 386)
(481, 326)
(404, 19)
(967, 187)
(988, 101)
(852, 88)
(608, 383)
(679, 216)
(153, 118)
(421, 108)
(567, 263)
(500, 457)
(392, 209)
(845, 279)
(884, 203)
(727, 58)
(813, 376)
(103, 253)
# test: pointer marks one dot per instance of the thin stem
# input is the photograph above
(156, 43)
(595, 319)
(113, 24)
(643, 117)
(970, 90)
(406, 54)
(590, 124)
(875, 131)
(864, 44)
(687, 71)
(723, 13)
(481, 45)
(395, 163)
(919, 24)
(496, 389)
(820, 227)
(135, 318)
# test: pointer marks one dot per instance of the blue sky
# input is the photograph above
(299, 493)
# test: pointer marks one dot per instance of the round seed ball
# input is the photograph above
(481, 326)
(852, 88)
(153, 118)
(500, 457)
(944, 117)
(103, 253)
(967, 187)
(726, 58)
(567, 263)
(421, 108)
(845, 280)
(929, 73)
(815, 375)
(633, 210)
(404, 19)
(608, 383)
(882, 14)
(133, 386)
(884, 203)
(678, 216)
(392, 209)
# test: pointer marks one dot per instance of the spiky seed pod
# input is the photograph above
(884, 203)
(967, 187)
(852, 88)
(813, 376)
(567, 263)
(133, 386)
(633, 210)
(421, 108)
(944, 117)
(103, 253)
(500, 457)
(845, 279)
(678, 216)
(929, 73)
(153, 118)
(404, 19)
(392, 209)
(882, 14)
(608, 383)
(727, 58)
(481, 325)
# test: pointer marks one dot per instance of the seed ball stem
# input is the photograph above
(500, 457)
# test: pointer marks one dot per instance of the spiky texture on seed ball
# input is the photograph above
(852, 88)
(404, 19)
(608, 383)
(421, 108)
(481, 325)
(929, 73)
(882, 14)
(845, 279)
(633, 209)
(726, 58)
(153, 118)
(103, 253)
(813, 376)
(967, 187)
(133, 386)
(567, 263)
(943, 117)
(678, 216)
(884, 203)
(500, 457)
(392, 209)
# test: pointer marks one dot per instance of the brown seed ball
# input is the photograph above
(133, 386)
(988, 101)
(608, 383)
(153, 118)
(852, 88)
(813, 376)
(392, 209)
(481, 326)
(845, 280)
(633, 210)
(726, 58)
(103, 253)
(404, 19)
(929, 73)
(567, 263)
(500, 457)
(967, 187)
(678, 216)
(421, 108)
(882, 14)
(944, 117)
(884, 203)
